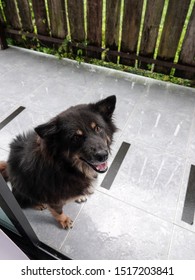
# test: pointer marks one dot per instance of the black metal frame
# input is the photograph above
(25, 238)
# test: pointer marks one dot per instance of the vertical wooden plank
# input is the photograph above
(76, 20)
(57, 15)
(112, 26)
(3, 43)
(11, 14)
(12, 18)
(25, 15)
(130, 28)
(187, 55)
(174, 21)
(152, 20)
(40, 17)
(94, 25)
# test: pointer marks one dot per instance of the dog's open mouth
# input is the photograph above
(100, 167)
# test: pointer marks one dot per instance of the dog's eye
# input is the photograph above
(77, 137)
(97, 129)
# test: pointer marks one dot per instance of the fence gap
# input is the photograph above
(18, 13)
(85, 19)
(120, 29)
(104, 18)
(67, 21)
(33, 17)
(48, 18)
(141, 30)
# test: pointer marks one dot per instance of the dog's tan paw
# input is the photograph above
(81, 199)
(65, 222)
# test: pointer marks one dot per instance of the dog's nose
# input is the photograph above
(102, 155)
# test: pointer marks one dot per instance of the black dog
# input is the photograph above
(59, 160)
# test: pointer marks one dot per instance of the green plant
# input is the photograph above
(79, 57)
(65, 51)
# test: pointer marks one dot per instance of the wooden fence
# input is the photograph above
(150, 34)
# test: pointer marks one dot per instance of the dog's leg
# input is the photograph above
(61, 218)
(83, 198)
(3, 170)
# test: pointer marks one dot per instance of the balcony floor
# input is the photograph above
(139, 217)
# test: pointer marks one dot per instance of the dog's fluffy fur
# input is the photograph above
(59, 160)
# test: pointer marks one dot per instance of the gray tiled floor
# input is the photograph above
(140, 216)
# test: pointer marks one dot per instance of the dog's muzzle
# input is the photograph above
(98, 167)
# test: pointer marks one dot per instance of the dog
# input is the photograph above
(59, 160)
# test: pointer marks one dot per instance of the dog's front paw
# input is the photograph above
(65, 222)
(81, 199)
(40, 207)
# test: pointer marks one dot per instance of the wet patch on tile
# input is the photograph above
(109, 229)
(166, 130)
(150, 180)
(55, 96)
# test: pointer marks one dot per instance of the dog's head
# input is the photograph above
(83, 134)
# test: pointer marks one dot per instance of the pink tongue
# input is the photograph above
(102, 166)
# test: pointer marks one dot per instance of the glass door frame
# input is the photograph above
(27, 239)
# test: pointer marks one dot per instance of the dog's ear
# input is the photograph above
(106, 106)
(48, 129)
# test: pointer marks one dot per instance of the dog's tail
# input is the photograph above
(3, 170)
